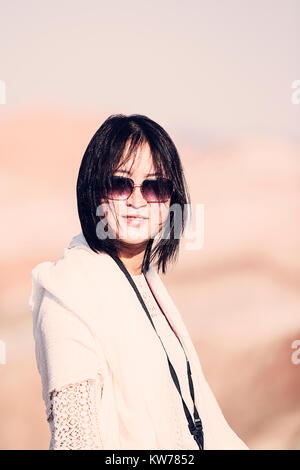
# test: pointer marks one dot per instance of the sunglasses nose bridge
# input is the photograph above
(133, 192)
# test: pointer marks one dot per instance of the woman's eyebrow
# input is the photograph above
(128, 173)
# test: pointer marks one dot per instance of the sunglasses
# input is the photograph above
(155, 190)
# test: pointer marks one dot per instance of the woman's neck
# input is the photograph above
(132, 257)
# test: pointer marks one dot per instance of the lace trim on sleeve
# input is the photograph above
(75, 416)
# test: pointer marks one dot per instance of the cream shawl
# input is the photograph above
(105, 330)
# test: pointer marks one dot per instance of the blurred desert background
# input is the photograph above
(222, 89)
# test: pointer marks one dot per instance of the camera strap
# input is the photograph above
(195, 426)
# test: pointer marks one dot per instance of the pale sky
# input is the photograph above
(206, 67)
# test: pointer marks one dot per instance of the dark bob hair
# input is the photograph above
(100, 160)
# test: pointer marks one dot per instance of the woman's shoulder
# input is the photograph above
(74, 264)
(80, 281)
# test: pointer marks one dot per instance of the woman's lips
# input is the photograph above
(135, 221)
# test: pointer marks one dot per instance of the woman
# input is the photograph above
(118, 367)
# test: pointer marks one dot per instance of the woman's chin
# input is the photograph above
(133, 240)
(134, 235)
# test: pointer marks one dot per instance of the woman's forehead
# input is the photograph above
(141, 163)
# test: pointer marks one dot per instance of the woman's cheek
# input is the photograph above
(163, 212)
(158, 216)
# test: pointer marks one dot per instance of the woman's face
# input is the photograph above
(136, 231)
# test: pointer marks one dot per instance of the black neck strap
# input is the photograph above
(195, 426)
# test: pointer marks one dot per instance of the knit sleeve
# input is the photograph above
(74, 416)
(72, 368)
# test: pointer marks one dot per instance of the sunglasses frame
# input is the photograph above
(133, 185)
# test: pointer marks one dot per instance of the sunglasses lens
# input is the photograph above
(119, 188)
(158, 190)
